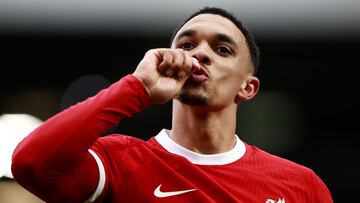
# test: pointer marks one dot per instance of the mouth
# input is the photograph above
(200, 75)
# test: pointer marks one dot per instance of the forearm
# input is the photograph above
(61, 142)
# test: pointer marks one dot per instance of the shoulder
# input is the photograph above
(124, 147)
(116, 147)
(288, 173)
(118, 141)
(275, 164)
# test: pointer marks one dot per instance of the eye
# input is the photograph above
(223, 50)
(186, 46)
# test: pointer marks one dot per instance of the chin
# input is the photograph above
(192, 99)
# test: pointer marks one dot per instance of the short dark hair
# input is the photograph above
(250, 41)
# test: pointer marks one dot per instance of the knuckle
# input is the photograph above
(170, 52)
(150, 51)
(182, 52)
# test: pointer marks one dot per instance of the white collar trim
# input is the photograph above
(201, 159)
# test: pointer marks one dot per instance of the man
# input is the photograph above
(208, 71)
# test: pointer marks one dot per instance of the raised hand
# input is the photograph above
(164, 72)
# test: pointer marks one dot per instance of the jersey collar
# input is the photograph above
(201, 159)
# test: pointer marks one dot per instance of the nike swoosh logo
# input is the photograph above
(160, 194)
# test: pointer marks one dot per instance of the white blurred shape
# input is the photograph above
(13, 129)
(265, 16)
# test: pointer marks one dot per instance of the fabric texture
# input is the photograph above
(55, 164)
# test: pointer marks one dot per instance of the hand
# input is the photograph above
(164, 71)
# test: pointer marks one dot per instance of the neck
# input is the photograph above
(204, 131)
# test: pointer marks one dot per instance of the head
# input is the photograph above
(226, 50)
(250, 41)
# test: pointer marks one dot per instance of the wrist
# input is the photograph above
(143, 83)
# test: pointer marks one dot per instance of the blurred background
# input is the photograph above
(54, 54)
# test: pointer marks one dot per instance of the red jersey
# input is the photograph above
(160, 170)
(65, 160)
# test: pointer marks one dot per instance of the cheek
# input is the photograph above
(228, 81)
(228, 72)
(227, 86)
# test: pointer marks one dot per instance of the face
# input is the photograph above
(221, 49)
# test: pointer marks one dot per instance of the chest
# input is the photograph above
(177, 180)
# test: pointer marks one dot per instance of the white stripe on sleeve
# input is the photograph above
(102, 177)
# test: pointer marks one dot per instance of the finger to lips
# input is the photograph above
(179, 63)
(195, 64)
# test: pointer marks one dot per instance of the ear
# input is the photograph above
(249, 88)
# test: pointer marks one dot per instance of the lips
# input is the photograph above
(200, 75)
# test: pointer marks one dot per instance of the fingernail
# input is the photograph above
(196, 63)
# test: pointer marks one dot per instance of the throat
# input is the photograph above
(202, 142)
(203, 130)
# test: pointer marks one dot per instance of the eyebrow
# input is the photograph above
(186, 33)
(226, 38)
(221, 37)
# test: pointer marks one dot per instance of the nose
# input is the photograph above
(201, 53)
